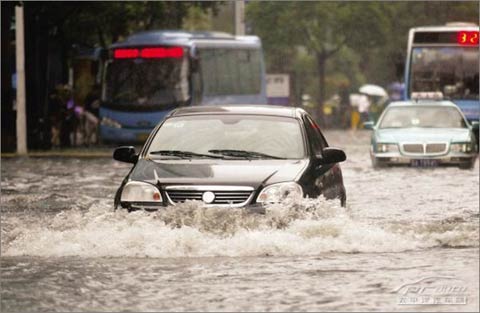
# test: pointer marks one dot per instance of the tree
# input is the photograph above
(54, 30)
(324, 28)
(354, 40)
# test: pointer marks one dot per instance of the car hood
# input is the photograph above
(423, 135)
(218, 172)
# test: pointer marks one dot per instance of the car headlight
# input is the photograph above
(140, 192)
(280, 192)
(387, 147)
(106, 121)
(461, 147)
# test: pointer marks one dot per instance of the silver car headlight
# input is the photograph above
(387, 147)
(106, 121)
(275, 193)
(140, 192)
(461, 147)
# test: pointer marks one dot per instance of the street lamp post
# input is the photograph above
(20, 66)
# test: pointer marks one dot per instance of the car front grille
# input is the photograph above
(234, 196)
(426, 149)
(413, 148)
(436, 147)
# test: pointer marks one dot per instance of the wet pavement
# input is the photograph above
(65, 249)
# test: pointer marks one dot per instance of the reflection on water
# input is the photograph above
(64, 248)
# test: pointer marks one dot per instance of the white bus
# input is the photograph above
(445, 59)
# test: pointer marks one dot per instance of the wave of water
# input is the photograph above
(190, 230)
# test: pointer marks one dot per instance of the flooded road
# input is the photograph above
(404, 229)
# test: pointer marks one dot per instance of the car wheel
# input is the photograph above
(377, 164)
(467, 165)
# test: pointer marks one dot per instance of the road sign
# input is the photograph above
(278, 89)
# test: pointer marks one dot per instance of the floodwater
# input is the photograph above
(408, 237)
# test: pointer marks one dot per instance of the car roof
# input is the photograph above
(425, 102)
(247, 109)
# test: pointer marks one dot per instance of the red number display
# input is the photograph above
(467, 38)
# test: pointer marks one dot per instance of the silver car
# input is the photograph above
(423, 133)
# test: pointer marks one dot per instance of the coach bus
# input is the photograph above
(150, 73)
(444, 60)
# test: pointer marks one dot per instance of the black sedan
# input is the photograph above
(233, 156)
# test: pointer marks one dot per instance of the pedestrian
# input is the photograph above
(355, 100)
(91, 113)
(56, 113)
(363, 108)
(67, 135)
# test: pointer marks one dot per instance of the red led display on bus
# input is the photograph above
(148, 53)
(125, 53)
(173, 52)
(467, 38)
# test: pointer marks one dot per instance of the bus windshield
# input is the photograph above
(146, 83)
(451, 70)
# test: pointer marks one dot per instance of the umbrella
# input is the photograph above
(373, 90)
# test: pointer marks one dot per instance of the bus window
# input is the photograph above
(146, 83)
(451, 70)
(230, 71)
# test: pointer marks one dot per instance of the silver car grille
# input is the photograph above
(426, 149)
(436, 148)
(413, 148)
(224, 195)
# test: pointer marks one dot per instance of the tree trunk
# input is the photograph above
(321, 62)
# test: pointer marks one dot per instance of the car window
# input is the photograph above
(275, 136)
(423, 116)
(317, 142)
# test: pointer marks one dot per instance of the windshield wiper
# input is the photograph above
(185, 154)
(244, 154)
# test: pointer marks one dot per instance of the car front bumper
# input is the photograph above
(397, 158)
(250, 208)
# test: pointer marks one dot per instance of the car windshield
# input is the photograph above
(422, 116)
(451, 70)
(264, 136)
(146, 83)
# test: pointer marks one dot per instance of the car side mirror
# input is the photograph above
(474, 125)
(368, 125)
(332, 155)
(125, 154)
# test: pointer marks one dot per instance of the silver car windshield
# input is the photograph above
(422, 116)
(279, 137)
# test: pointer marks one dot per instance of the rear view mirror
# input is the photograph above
(368, 125)
(125, 154)
(332, 155)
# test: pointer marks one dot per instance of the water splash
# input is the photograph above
(190, 230)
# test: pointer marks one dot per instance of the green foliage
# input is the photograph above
(104, 22)
(197, 19)
(359, 41)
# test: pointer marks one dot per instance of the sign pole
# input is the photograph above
(20, 65)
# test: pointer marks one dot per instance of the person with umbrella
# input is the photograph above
(376, 98)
